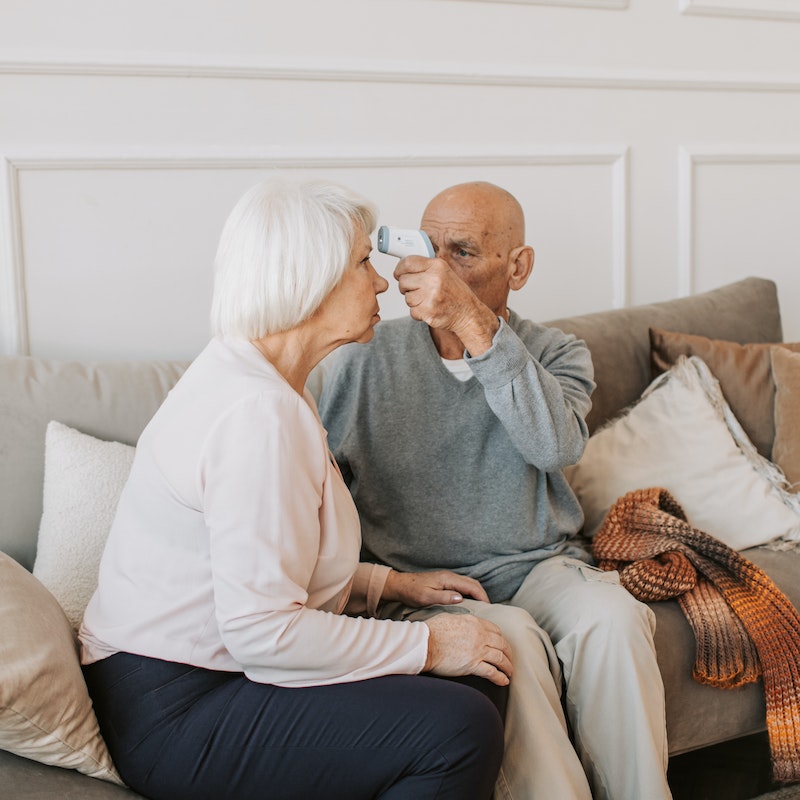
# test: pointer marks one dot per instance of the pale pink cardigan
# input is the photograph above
(235, 544)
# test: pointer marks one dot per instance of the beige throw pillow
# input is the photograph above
(786, 449)
(682, 436)
(743, 371)
(45, 710)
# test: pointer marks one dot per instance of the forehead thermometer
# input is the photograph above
(402, 242)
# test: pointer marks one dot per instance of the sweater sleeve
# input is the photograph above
(263, 475)
(542, 403)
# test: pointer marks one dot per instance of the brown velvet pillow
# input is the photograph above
(743, 371)
(786, 448)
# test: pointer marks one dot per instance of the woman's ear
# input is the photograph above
(520, 260)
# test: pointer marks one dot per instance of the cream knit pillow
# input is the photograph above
(683, 437)
(83, 479)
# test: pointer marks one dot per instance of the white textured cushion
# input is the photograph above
(683, 437)
(45, 711)
(83, 479)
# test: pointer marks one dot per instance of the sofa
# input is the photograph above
(77, 415)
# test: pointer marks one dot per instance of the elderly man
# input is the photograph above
(452, 429)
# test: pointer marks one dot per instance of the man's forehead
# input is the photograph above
(459, 220)
(480, 210)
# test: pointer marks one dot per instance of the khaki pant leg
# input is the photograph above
(614, 693)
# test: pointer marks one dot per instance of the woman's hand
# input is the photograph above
(439, 587)
(461, 644)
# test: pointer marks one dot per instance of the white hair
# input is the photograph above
(283, 249)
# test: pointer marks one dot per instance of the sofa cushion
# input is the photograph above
(45, 711)
(786, 448)
(742, 370)
(113, 401)
(83, 479)
(682, 436)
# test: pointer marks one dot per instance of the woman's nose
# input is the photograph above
(380, 283)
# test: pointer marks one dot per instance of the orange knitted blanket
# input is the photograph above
(743, 624)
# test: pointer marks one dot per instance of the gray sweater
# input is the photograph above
(459, 475)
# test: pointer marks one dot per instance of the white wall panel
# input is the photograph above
(647, 34)
(127, 130)
(740, 215)
(115, 252)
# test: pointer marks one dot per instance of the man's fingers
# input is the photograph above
(468, 587)
(412, 264)
(442, 597)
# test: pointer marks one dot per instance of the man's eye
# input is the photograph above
(462, 253)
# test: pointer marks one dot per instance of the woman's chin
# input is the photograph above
(366, 337)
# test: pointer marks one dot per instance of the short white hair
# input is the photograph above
(284, 247)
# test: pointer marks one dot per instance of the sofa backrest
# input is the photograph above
(114, 401)
(745, 311)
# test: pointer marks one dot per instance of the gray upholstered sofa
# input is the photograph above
(114, 401)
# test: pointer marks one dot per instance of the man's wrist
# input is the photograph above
(479, 332)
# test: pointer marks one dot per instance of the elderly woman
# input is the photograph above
(230, 648)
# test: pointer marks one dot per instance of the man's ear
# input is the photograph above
(520, 260)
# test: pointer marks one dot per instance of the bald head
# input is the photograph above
(495, 209)
(479, 230)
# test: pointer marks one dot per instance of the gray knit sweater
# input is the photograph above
(459, 475)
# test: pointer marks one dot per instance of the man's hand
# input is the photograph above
(440, 587)
(436, 295)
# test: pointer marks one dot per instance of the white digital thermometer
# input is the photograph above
(402, 242)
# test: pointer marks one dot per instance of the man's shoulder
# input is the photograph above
(537, 332)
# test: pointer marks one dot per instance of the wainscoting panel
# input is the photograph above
(739, 216)
(652, 145)
(113, 253)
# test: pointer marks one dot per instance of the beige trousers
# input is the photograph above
(601, 637)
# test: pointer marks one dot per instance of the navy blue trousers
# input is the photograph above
(176, 732)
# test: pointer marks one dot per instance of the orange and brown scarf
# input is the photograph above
(744, 626)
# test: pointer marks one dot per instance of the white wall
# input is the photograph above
(655, 145)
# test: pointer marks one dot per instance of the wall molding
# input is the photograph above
(601, 4)
(360, 71)
(13, 315)
(689, 158)
(14, 332)
(747, 9)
